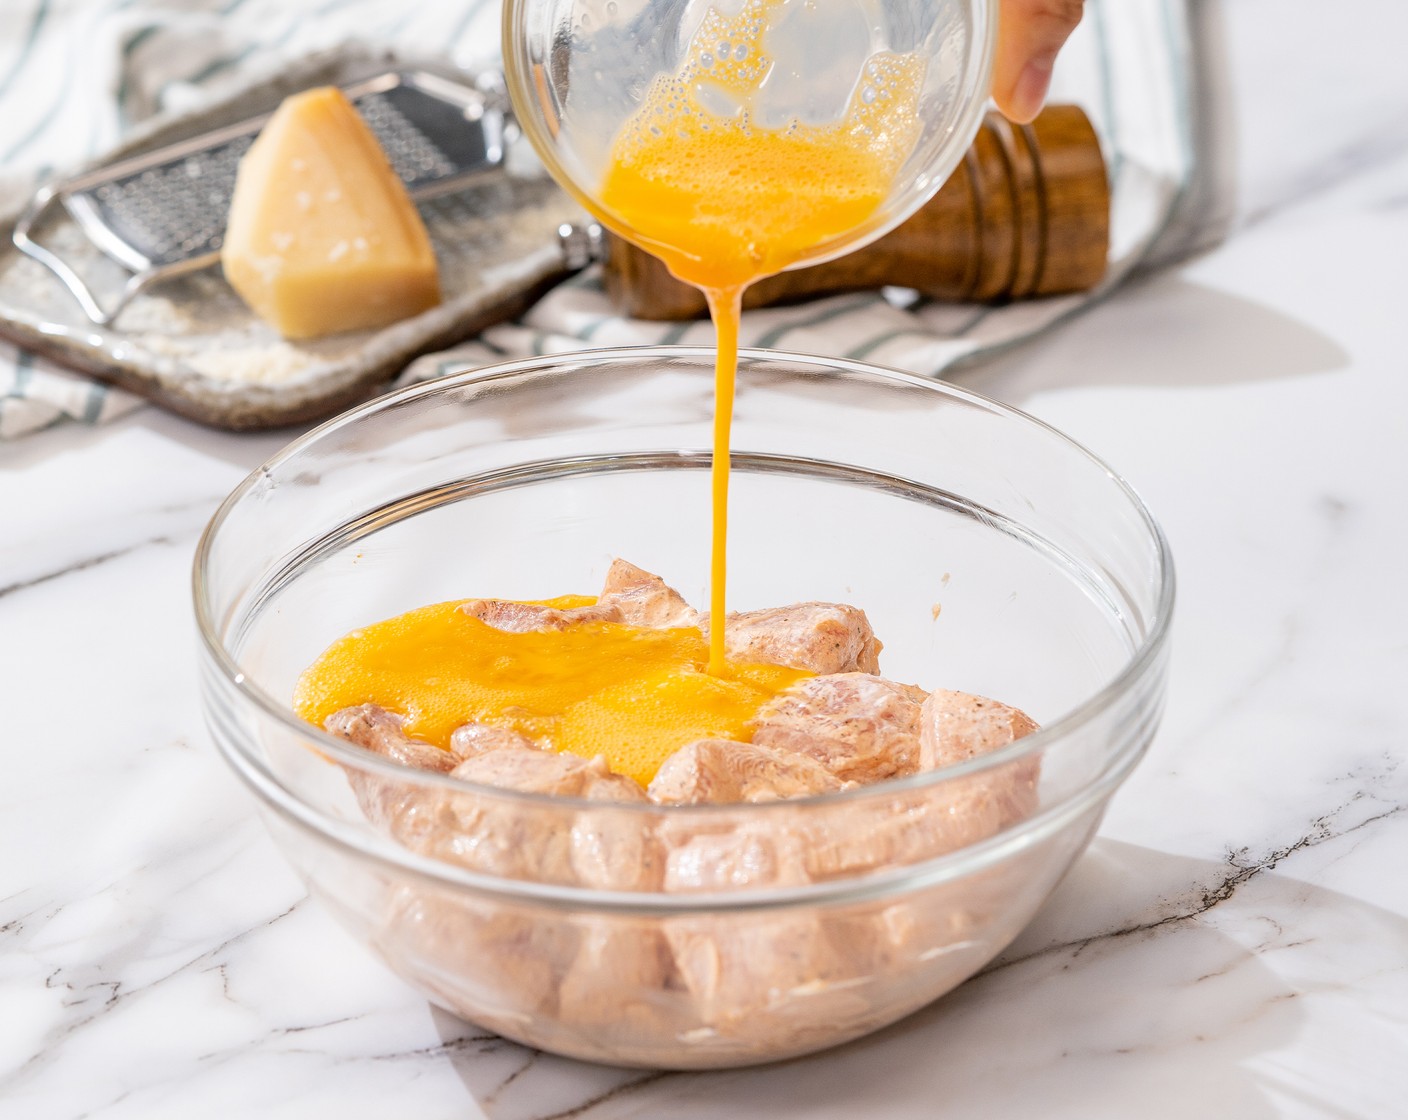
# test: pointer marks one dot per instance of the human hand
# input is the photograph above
(1029, 34)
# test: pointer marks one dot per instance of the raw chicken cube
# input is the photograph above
(907, 829)
(645, 600)
(860, 727)
(521, 618)
(818, 637)
(702, 855)
(616, 849)
(382, 732)
(541, 842)
(921, 824)
(389, 804)
(823, 638)
(617, 981)
(472, 739)
(758, 974)
(957, 726)
(500, 962)
(379, 731)
(764, 975)
(546, 843)
(723, 770)
(537, 771)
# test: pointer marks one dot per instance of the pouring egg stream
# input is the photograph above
(725, 201)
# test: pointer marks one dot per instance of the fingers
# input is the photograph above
(1029, 34)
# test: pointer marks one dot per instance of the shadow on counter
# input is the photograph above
(1161, 331)
(1151, 985)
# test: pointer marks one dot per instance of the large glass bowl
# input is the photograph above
(992, 554)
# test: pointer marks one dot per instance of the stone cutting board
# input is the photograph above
(191, 345)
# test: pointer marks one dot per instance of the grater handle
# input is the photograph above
(25, 243)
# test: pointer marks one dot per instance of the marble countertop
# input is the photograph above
(1233, 944)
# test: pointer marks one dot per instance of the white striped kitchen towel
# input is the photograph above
(75, 75)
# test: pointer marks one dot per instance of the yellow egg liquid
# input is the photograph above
(724, 201)
(634, 696)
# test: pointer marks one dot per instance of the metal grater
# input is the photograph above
(163, 213)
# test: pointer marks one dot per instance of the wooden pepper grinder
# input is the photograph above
(1026, 214)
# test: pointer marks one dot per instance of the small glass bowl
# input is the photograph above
(992, 554)
(579, 70)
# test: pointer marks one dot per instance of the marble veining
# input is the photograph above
(80, 565)
(1233, 944)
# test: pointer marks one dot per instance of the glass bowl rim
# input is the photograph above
(348, 755)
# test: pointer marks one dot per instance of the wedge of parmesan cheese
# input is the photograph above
(322, 236)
